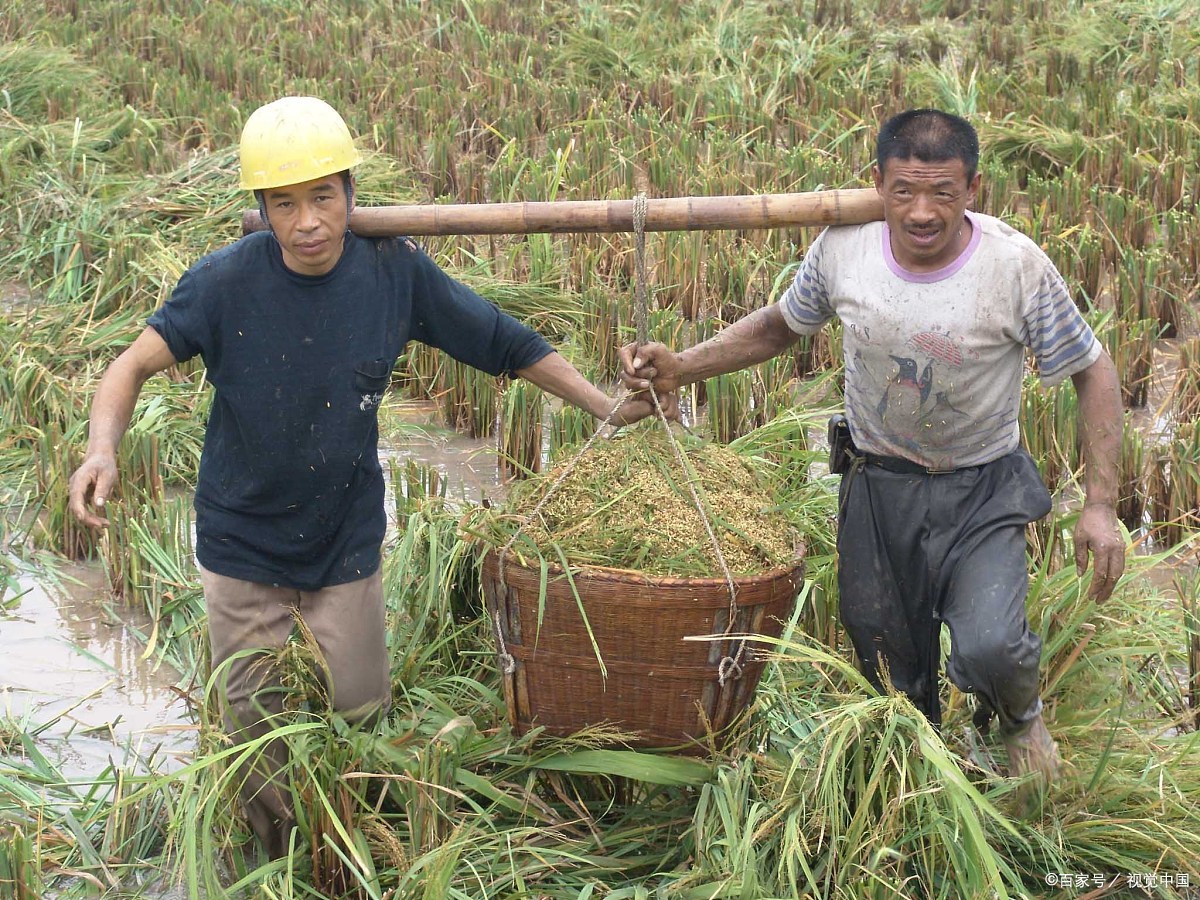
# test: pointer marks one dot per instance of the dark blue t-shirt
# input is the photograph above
(290, 490)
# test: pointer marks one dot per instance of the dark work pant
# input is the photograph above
(918, 550)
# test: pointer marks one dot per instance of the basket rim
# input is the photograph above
(608, 573)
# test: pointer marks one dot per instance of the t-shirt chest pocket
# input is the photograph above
(370, 381)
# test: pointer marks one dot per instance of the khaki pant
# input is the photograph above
(247, 624)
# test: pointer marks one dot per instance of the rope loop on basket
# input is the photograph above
(731, 666)
(507, 662)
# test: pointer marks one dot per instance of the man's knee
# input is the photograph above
(364, 696)
(994, 658)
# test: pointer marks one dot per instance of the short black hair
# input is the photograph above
(928, 135)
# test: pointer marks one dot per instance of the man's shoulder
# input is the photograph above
(850, 240)
(866, 231)
(249, 252)
(1001, 239)
(398, 247)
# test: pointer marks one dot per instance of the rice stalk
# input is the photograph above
(570, 427)
(1184, 397)
(1188, 589)
(519, 450)
(1182, 513)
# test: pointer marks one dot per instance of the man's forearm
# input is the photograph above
(1101, 417)
(753, 339)
(117, 394)
(112, 408)
(554, 375)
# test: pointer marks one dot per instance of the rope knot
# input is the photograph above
(507, 663)
(729, 668)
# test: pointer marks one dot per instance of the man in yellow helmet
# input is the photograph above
(299, 328)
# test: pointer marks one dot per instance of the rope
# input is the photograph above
(730, 666)
(507, 663)
(641, 310)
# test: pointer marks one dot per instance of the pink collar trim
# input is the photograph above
(937, 274)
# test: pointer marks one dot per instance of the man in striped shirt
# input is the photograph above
(938, 306)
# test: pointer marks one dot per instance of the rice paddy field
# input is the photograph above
(118, 130)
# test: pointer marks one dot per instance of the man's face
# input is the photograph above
(309, 221)
(924, 205)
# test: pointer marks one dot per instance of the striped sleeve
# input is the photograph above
(805, 304)
(1062, 342)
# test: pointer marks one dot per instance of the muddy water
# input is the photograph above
(467, 466)
(73, 668)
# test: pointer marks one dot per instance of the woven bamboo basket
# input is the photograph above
(659, 686)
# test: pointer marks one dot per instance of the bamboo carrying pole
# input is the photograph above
(840, 207)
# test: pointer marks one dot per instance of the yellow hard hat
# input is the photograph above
(293, 140)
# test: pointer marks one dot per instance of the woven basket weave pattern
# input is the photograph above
(659, 686)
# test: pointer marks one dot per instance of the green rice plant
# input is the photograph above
(429, 573)
(147, 549)
(1183, 239)
(682, 273)
(58, 530)
(665, 326)
(1131, 346)
(146, 543)
(730, 404)
(165, 436)
(419, 371)
(140, 467)
(1132, 499)
(1049, 430)
(1088, 269)
(540, 304)
(20, 875)
(34, 393)
(1177, 288)
(570, 427)
(813, 354)
(600, 337)
(1158, 491)
(1187, 586)
(1137, 284)
(1037, 145)
(413, 483)
(11, 589)
(1184, 397)
(42, 81)
(852, 791)
(520, 429)
(118, 126)
(467, 397)
(771, 392)
(94, 831)
(387, 805)
(1183, 509)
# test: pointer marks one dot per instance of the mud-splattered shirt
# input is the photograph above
(290, 490)
(935, 360)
